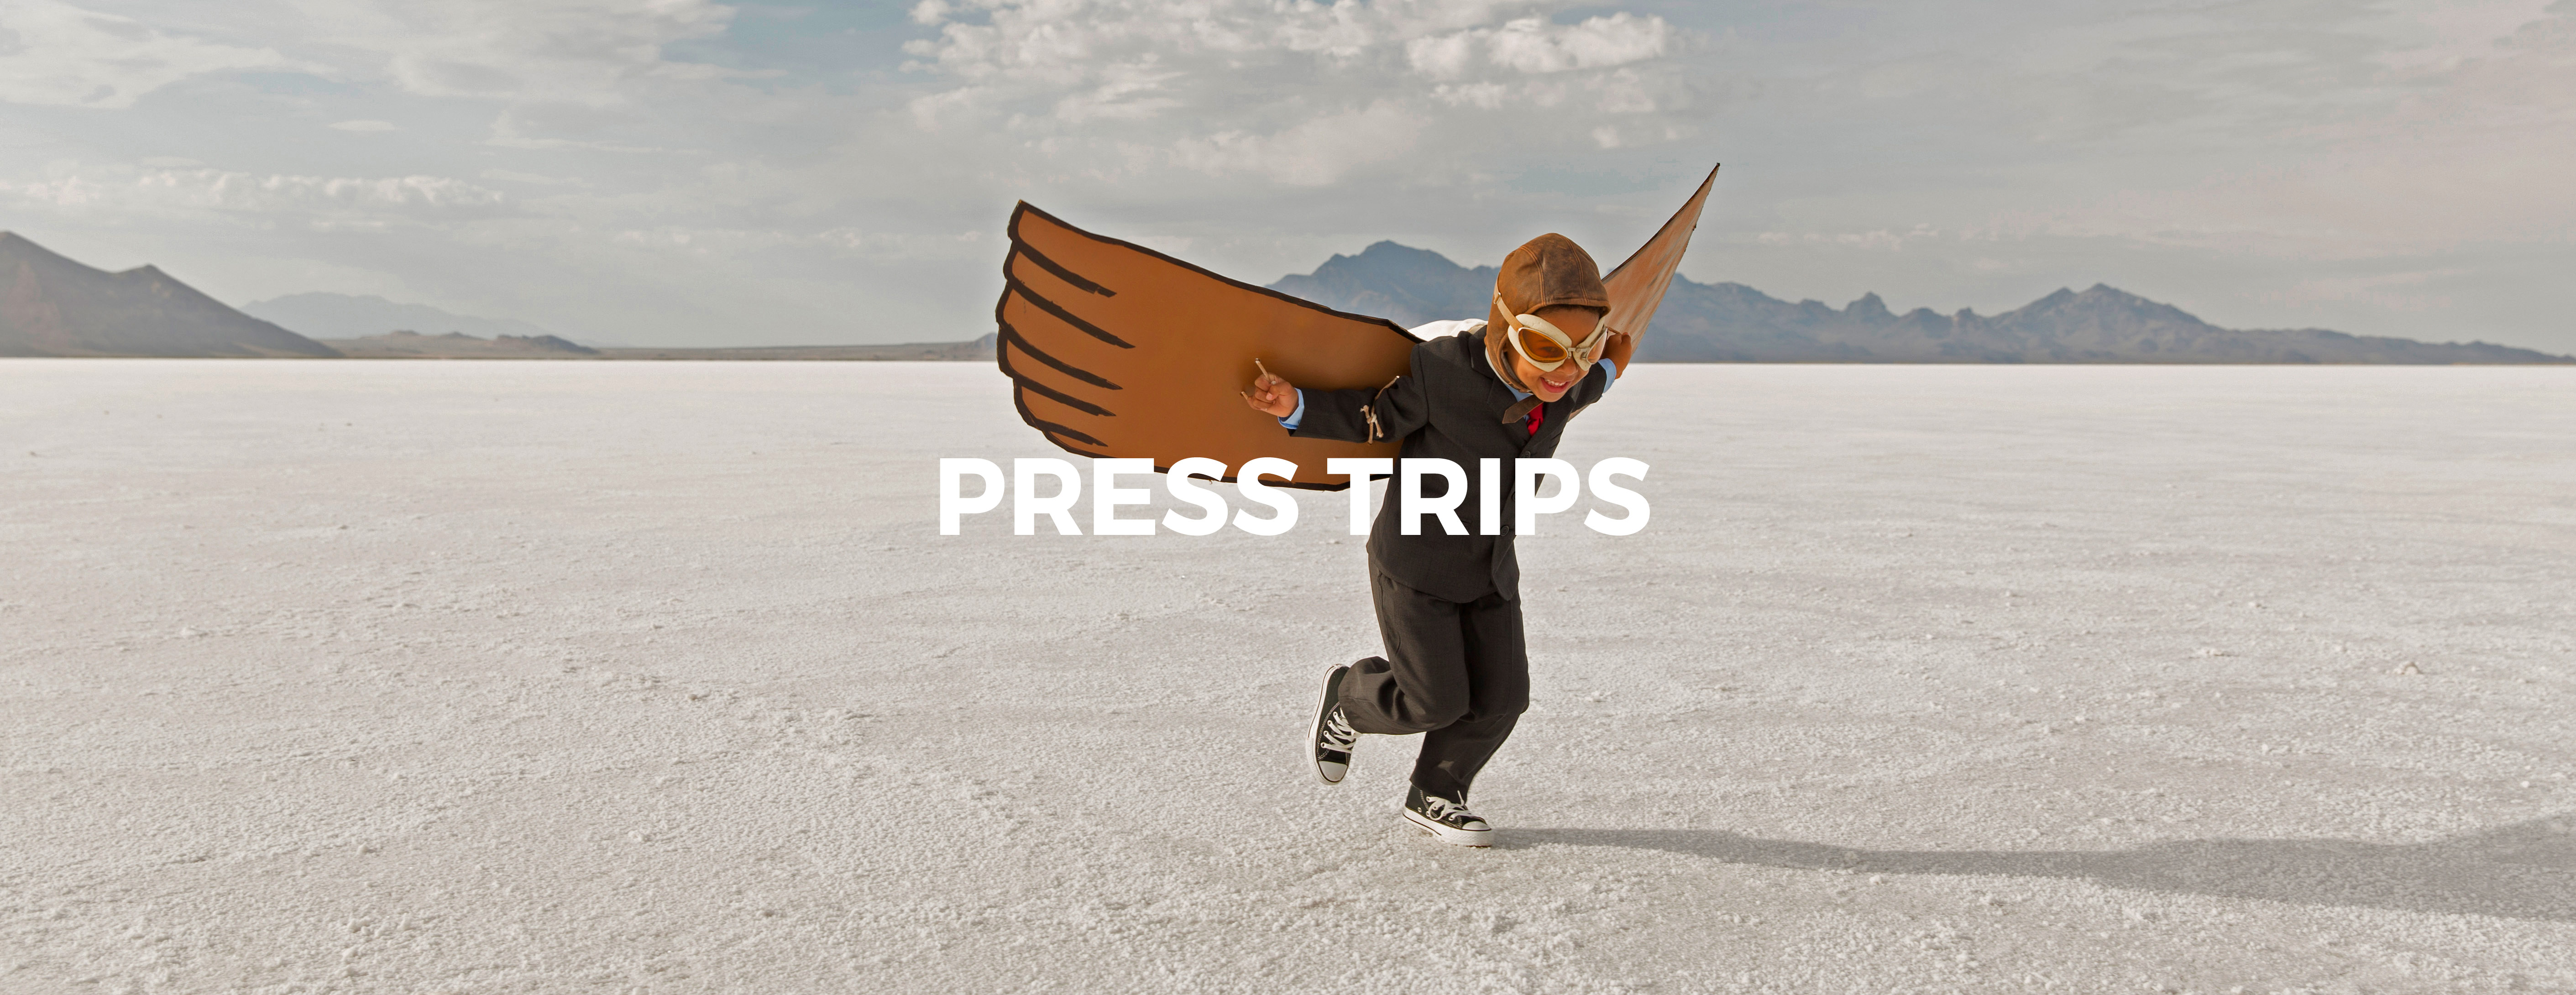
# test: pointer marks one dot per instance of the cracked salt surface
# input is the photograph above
(1923, 679)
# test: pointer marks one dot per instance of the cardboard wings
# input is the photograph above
(1114, 349)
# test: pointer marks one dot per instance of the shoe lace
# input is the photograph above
(1444, 810)
(1338, 734)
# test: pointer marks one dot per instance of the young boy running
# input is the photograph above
(1448, 606)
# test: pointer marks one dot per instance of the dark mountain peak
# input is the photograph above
(1388, 260)
(1408, 285)
(15, 247)
(2100, 306)
(1729, 288)
(408, 344)
(2106, 295)
(59, 307)
(557, 343)
(1386, 250)
(1868, 306)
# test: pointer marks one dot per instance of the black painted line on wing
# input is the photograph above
(1051, 429)
(1050, 393)
(1025, 209)
(1051, 307)
(1030, 253)
(1013, 336)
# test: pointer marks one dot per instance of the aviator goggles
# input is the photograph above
(1546, 346)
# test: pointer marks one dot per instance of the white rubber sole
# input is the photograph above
(1453, 837)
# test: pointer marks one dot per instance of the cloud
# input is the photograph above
(1313, 153)
(1215, 53)
(593, 52)
(2473, 149)
(1878, 240)
(844, 242)
(2388, 291)
(690, 161)
(537, 125)
(55, 53)
(1293, 95)
(321, 201)
(1532, 45)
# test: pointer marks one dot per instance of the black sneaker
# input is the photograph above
(1330, 742)
(1448, 820)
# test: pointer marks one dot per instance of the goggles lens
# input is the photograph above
(1539, 348)
(1546, 346)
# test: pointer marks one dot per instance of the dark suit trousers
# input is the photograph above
(1458, 672)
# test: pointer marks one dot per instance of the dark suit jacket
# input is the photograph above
(1449, 406)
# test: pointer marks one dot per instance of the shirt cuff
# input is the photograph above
(1299, 415)
(1614, 372)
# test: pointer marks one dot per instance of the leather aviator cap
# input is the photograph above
(1546, 271)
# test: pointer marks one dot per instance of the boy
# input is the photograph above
(1448, 606)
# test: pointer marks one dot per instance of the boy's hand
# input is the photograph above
(1621, 346)
(1271, 395)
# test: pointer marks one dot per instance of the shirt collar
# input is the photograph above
(1517, 393)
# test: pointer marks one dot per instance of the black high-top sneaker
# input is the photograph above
(1448, 820)
(1330, 742)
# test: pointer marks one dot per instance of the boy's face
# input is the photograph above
(1549, 385)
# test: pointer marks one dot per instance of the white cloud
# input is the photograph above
(317, 200)
(2477, 150)
(2388, 291)
(1292, 94)
(1536, 45)
(55, 53)
(564, 51)
(535, 125)
(844, 241)
(1221, 51)
(1941, 149)
(1313, 153)
(1878, 240)
(1443, 57)
(364, 126)
(2441, 36)
(1533, 45)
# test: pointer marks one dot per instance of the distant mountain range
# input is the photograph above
(52, 306)
(1731, 322)
(405, 344)
(347, 316)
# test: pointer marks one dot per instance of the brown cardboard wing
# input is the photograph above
(1637, 286)
(1117, 350)
(1114, 349)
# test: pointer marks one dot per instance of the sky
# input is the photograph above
(684, 172)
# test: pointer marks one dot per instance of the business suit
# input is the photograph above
(1448, 606)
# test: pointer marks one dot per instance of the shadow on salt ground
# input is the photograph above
(2522, 871)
